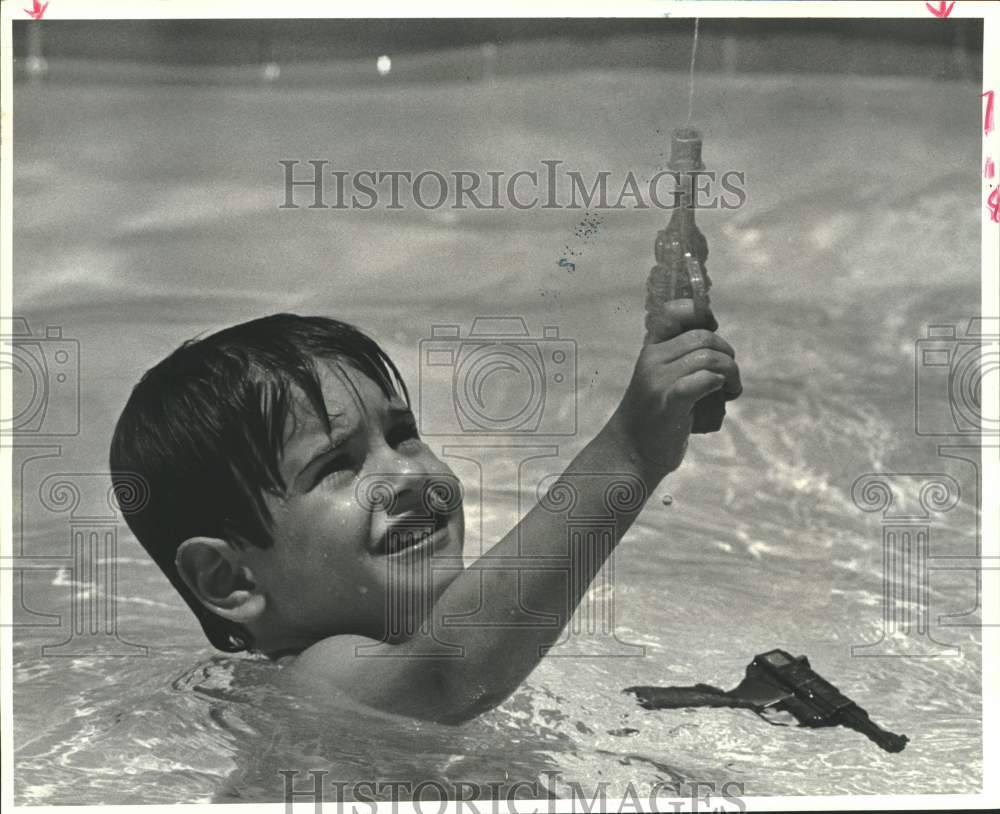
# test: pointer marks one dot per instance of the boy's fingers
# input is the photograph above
(732, 393)
(675, 317)
(689, 342)
(713, 361)
(695, 386)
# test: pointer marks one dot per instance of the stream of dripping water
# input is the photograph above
(694, 51)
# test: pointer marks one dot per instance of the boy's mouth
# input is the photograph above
(413, 532)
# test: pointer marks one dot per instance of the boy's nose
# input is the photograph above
(428, 493)
(413, 490)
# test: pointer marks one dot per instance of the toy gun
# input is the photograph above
(777, 680)
(679, 273)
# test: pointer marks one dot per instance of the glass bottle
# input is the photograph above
(681, 251)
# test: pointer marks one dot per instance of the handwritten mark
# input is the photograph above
(989, 170)
(564, 263)
(943, 9)
(37, 11)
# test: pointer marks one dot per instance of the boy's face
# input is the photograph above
(365, 538)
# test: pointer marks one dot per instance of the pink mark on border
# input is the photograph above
(988, 115)
(943, 9)
(993, 205)
(990, 169)
(37, 10)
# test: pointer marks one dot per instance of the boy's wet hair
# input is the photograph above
(203, 432)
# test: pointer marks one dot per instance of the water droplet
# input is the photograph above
(667, 500)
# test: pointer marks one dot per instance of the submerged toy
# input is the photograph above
(777, 680)
(679, 273)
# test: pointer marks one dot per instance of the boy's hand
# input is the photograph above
(681, 363)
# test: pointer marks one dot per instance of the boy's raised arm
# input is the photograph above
(536, 568)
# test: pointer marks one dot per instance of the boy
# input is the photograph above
(293, 505)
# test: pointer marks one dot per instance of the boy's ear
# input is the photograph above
(213, 571)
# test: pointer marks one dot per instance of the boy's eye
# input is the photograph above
(336, 467)
(402, 433)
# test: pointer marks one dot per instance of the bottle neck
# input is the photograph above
(682, 217)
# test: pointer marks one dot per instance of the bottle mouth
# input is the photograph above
(685, 149)
(686, 134)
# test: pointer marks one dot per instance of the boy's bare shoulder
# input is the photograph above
(369, 671)
(377, 675)
(348, 672)
(337, 658)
